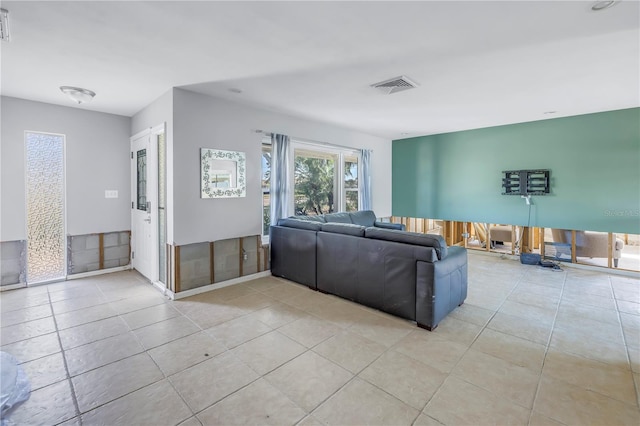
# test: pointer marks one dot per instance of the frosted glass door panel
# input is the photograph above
(45, 207)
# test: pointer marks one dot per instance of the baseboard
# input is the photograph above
(13, 286)
(98, 272)
(206, 288)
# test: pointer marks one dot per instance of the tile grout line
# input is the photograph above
(66, 366)
(546, 351)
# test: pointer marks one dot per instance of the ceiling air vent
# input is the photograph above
(394, 85)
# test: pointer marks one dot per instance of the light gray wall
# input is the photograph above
(202, 121)
(97, 158)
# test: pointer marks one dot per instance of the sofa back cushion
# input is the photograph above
(337, 217)
(363, 217)
(300, 224)
(344, 228)
(310, 218)
(427, 240)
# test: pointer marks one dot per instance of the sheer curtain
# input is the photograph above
(280, 191)
(366, 180)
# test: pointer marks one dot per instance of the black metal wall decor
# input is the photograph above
(525, 182)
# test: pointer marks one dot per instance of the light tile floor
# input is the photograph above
(529, 346)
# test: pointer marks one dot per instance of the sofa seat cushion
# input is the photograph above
(338, 217)
(300, 224)
(344, 228)
(427, 240)
(363, 217)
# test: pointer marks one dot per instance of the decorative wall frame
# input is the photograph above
(222, 173)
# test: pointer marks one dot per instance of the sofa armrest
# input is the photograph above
(389, 225)
(440, 287)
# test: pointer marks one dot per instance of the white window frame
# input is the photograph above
(339, 188)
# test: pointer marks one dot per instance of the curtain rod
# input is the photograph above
(303, 140)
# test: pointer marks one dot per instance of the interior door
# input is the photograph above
(143, 199)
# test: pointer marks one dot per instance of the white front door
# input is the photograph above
(143, 205)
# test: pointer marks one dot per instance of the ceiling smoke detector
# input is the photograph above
(395, 85)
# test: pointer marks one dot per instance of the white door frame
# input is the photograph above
(152, 193)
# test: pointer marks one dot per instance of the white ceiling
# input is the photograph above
(477, 63)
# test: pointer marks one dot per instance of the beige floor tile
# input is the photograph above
(310, 331)
(518, 384)
(84, 316)
(362, 403)
(70, 291)
(75, 304)
(310, 301)
(45, 371)
(484, 300)
(589, 328)
(286, 291)
(71, 422)
(386, 331)
(590, 300)
(580, 288)
(538, 419)
(473, 314)
(157, 404)
(524, 353)
(34, 348)
(238, 331)
(540, 314)
(589, 312)
(185, 352)
(24, 314)
(18, 299)
(435, 351)
(571, 405)
(310, 421)
(27, 330)
(191, 421)
(268, 351)
(259, 403)
(599, 350)
(460, 403)
(542, 290)
(210, 315)
(104, 384)
(308, 379)
(263, 283)
(608, 380)
(250, 302)
(520, 327)
(231, 292)
(136, 303)
(46, 406)
(424, 420)
(629, 307)
(278, 315)
(92, 332)
(534, 299)
(163, 332)
(411, 381)
(102, 352)
(342, 313)
(208, 382)
(150, 315)
(458, 331)
(350, 351)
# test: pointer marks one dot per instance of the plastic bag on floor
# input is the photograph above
(14, 385)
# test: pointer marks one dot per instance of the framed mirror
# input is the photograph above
(222, 173)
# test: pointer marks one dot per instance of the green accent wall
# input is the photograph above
(595, 173)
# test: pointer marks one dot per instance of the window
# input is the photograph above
(266, 189)
(325, 179)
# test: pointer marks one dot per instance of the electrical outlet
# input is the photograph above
(111, 193)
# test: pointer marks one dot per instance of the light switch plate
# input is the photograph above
(111, 193)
